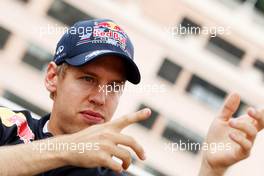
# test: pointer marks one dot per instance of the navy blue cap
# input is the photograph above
(88, 40)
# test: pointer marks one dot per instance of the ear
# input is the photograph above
(51, 78)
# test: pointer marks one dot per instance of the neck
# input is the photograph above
(53, 127)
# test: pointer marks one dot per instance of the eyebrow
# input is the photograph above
(89, 73)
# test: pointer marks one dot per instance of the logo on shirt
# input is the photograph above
(10, 118)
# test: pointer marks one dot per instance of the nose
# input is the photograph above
(97, 97)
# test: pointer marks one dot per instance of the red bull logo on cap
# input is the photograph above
(110, 30)
(110, 25)
(105, 32)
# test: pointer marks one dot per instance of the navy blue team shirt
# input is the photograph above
(17, 127)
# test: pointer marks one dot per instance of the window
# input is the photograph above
(206, 92)
(24, 103)
(241, 109)
(233, 4)
(185, 138)
(225, 49)
(37, 57)
(23, 1)
(150, 121)
(66, 13)
(169, 71)
(4, 35)
(241, 1)
(259, 65)
(189, 27)
(260, 6)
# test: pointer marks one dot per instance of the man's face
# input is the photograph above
(80, 98)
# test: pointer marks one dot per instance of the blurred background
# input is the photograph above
(186, 75)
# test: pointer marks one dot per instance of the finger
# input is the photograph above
(127, 120)
(242, 141)
(130, 142)
(230, 106)
(245, 126)
(258, 115)
(122, 154)
(108, 162)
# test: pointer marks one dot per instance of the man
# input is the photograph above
(82, 81)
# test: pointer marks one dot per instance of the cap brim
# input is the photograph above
(132, 71)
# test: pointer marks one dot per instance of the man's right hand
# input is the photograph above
(108, 138)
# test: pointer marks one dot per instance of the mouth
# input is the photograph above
(92, 117)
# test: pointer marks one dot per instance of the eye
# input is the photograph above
(88, 79)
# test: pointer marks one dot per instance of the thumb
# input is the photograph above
(230, 106)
